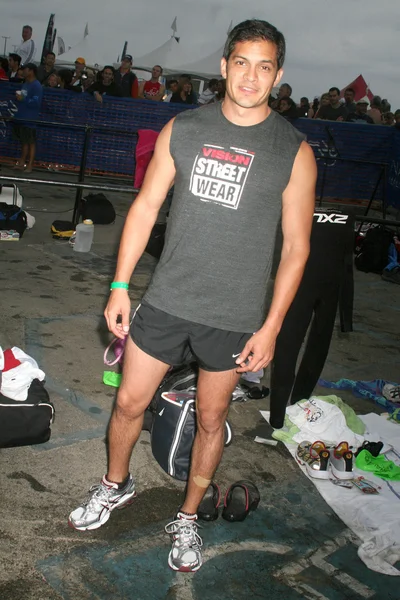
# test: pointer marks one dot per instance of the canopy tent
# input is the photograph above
(91, 51)
(166, 55)
(207, 67)
(360, 88)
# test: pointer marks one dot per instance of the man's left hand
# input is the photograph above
(258, 352)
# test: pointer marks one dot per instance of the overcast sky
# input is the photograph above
(328, 42)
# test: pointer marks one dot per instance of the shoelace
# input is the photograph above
(98, 494)
(187, 529)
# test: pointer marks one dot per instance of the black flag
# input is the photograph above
(48, 38)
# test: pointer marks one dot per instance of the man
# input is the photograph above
(360, 114)
(153, 89)
(285, 91)
(126, 79)
(14, 62)
(27, 49)
(349, 100)
(44, 71)
(375, 112)
(243, 170)
(172, 88)
(335, 111)
(107, 85)
(210, 94)
(29, 102)
(77, 77)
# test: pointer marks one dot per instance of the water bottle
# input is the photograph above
(84, 236)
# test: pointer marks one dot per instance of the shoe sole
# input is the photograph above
(314, 473)
(103, 520)
(183, 569)
(342, 474)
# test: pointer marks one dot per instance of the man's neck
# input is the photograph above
(335, 105)
(15, 69)
(244, 117)
(154, 80)
(30, 79)
(123, 70)
(47, 68)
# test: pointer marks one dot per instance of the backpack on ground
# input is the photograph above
(62, 230)
(98, 208)
(26, 422)
(372, 255)
(12, 217)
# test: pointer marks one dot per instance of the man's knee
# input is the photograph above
(211, 420)
(129, 404)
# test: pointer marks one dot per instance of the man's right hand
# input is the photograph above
(98, 97)
(118, 304)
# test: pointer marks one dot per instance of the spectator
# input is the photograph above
(335, 111)
(126, 79)
(349, 100)
(27, 49)
(152, 89)
(4, 68)
(185, 94)
(65, 77)
(107, 85)
(360, 114)
(388, 119)
(375, 111)
(29, 101)
(285, 91)
(304, 107)
(172, 87)
(397, 117)
(77, 76)
(51, 81)
(88, 79)
(221, 90)
(287, 108)
(44, 71)
(385, 106)
(209, 95)
(14, 63)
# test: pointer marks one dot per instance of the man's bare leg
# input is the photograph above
(214, 391)
(24, 154)
(142, 374)
(32, 152)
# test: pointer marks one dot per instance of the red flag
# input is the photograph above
(360, 88)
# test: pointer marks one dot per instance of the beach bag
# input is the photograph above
(27, 422)
(99, 209)
(12, 218)
(373, 253)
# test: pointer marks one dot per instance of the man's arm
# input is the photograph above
(139, 223)
(141, 90)
(298, 203)
(160, 94)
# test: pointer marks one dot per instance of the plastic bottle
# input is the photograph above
(84, 236)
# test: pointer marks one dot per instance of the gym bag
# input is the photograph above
(26, 422)
(372, 255)
(98, 208)
(12, 218)
(62, 230)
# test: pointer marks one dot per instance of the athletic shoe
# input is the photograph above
(185, 554)
(315, 457)
(393, 275)
(391, 392)
(96, 509)
(342, 461)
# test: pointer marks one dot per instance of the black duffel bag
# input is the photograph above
(98, 208)
(27, 422)
(12, 217)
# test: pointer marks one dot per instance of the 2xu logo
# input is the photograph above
(324, 218)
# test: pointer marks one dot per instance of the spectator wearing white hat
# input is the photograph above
(360, 113)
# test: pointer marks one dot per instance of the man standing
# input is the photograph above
(27, 49)
(14, 62)
(238, 168)
(360, 114)
(44, 71)
(30, 100)
(335, 111)
(126, 79)
(349, 100)
(152, 89)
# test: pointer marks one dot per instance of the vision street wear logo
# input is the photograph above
(219, 175)
(331, 218)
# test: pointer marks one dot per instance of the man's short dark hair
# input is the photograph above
(253, 30)
(335, 89)
(350, 89)
(15, 57)
(31, 67)
(109, 67)
(212, 82)
(50, 52)
(66, 76)
(27, 27)
(170, 81)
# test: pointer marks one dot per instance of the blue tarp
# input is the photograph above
(113, 151)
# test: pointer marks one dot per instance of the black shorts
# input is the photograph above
(176, 341)
(26, 135)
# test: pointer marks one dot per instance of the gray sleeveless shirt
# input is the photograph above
(226, 208)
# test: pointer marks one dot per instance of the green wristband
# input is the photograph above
(119, 284)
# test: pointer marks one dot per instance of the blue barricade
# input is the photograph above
(340, 148)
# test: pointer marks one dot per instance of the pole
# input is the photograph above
(5, 38)
(81, 178)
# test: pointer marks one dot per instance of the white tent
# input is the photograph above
(91, 51)
(207, 67)
(166, 55)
